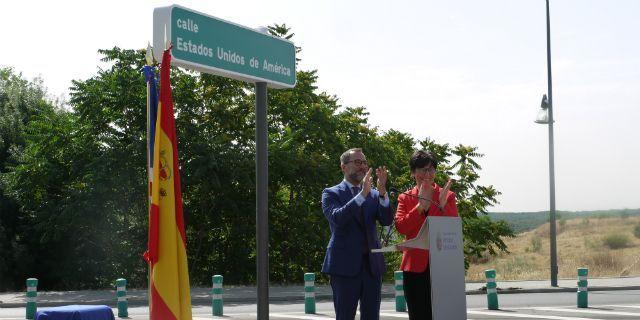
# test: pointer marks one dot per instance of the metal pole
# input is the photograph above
(262, 218)
(552, 183)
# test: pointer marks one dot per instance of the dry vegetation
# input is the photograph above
(583, 242)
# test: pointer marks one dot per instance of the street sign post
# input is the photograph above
(212, 45)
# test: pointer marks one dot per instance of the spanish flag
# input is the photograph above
(167, 255)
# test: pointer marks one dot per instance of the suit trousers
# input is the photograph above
(417, 292)
(364, 287)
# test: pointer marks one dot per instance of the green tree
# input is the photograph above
(81, 182)
(20, 102)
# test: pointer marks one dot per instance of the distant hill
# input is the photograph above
(605, 244)
(525, 221)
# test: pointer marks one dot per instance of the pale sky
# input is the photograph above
(470, 72)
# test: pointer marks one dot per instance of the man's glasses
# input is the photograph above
(358, 162)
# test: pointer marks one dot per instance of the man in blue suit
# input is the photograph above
(352, 208)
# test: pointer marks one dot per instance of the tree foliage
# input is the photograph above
(78, 184)
(21, 102)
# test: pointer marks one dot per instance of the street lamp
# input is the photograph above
(545, 116)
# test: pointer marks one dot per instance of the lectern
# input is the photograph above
(442, 236)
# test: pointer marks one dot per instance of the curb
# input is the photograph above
(300, 298)
(559, 289)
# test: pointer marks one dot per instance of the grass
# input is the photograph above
(606, 245)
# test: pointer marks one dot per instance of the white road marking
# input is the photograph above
(591, 311)
(621, 306)
(304, 317)
(395, 315)
(522, 315)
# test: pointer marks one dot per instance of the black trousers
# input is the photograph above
(417, 292)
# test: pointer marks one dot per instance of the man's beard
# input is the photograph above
(356, 176)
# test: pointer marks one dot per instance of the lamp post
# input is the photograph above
(545, 116)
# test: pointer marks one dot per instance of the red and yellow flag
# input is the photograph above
(169, 290)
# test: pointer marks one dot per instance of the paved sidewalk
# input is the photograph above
(247, 294)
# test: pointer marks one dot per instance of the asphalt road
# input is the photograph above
(558, 306)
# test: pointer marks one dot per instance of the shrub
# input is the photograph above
(616, 240)
(484, 258)
(585, 222)
(561, 225)
(535, 245)
(563, 222)
(636, 231)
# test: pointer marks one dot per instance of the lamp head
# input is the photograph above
(543, 113)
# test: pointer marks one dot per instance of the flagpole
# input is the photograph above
(149, 58)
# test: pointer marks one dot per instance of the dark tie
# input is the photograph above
(355, 190)
(360, 217)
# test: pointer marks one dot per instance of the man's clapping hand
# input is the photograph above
(382, 175)
(367, 182)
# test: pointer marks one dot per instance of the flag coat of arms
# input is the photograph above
(169, 291)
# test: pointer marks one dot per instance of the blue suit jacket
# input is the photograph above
(347, 223)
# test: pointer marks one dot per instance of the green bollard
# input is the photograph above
(492, 289)
(582, 288)
(216, 301)
(121, 294)
(310, 293)
(401, 303)
(32, 293)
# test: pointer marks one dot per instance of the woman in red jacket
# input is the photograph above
(425, 199)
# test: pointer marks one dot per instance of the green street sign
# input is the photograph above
(212, 45)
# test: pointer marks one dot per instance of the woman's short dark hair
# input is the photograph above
(421, 159)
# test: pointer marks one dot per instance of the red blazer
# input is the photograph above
(409, 221)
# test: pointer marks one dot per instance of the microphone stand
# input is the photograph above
(394, 204)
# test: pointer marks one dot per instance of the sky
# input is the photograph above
(460, 72)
